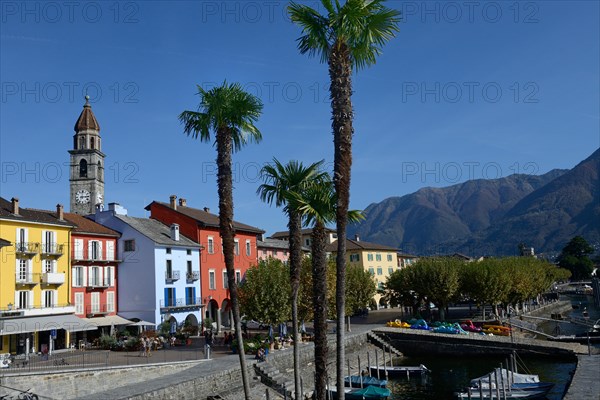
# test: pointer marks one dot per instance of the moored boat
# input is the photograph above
(356, 381)
(367, 393)
(399, 371)
(514, 394)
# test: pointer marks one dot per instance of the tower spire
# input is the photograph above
(87, 119)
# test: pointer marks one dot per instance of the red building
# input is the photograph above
(94, 274)
(203, 227)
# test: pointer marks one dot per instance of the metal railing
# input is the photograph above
(192, 276)
(99, 309)
(52, 249)
(183, 302)
(97, 283)
(27, 248)
(171, 276)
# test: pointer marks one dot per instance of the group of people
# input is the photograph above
(146, 345)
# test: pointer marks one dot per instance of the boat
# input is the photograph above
(398, 371)
(520, 383)
(514, 394)
(367, 393)
(364, 381)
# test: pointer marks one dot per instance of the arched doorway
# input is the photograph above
(191, 324)
(226, 314)
(212, 311)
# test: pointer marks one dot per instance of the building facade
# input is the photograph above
(159, 271)
(36, 313)
(379, 260)
(203, 227)
(306, 236)
(275, 248)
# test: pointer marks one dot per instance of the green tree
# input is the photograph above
(360, 289)
(230, 114)
(264, 292)
(305, 295)
(282, 183)
(575, 258)
(398, 289)
(438, 279)
(348, 36)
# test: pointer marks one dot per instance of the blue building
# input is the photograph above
(159, 277)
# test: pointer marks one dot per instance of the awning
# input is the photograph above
(107, 321)
(143, 323)
(68, 322)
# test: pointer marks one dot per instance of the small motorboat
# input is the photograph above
(399, 371)
(364, 381)
(520, 383)
(367, 393)
(514, 394)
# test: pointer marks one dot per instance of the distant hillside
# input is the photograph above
(491, 216)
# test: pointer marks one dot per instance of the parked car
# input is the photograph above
(252, 324)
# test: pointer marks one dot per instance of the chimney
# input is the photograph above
(15, 205)
(175, 232)
(183, 202)
(116, 209)
(357, 238)
(60, 212)
(206, 209)
(172, 201)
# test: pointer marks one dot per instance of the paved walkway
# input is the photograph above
(586, 382)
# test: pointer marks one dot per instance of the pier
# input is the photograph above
(586, 382)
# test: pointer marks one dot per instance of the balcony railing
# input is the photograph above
(188, 302)
(27, 248)
(172, 276)
(52, 249)
(53, 278)
(27, 279)
(97, 283)
(100, 309)
(192, 276)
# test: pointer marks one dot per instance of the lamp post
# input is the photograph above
(512, 340)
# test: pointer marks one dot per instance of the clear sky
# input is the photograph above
(466, 90)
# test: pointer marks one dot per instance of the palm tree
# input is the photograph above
(349, 36)
(282, 182)
(318, 205)
(230, 113)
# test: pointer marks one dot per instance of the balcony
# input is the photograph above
(52, 250)
(98, 310)
(27, 279)
(192, 276)
(26, 249)
(97, 283)
(186, 304)
(53, 278)
(41, 310)
(171, 276)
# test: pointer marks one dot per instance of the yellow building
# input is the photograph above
(35, 311)
(378, 259)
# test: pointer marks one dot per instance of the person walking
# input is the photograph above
(142, 347)
(148, 347)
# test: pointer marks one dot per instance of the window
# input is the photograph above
(238, 276)
(21, 239)
(264, 252)
(307, 241)
(48, 242)
(190, 295)
(354, 258)
(94, 276)
(236, 247)
(170, 299)
(225, 280)
(188, 252)
(81, 142)
(390, 270)
(371, 271)
(110, 250)
(211, 279)
(100, 174)
(380, 285)
(275, 253)
(23, 271)
(169, 268)
(248, 248)
(95, 249)
(379, 271)
(377, 257)
(110, 301)
(109, 277)
(48, 266)
(79, 303)
(92, 143)
(129, 245)
(369, 257)
(78, 249)
(168, 250)
(189, 267)
(389, 257)
(78, 280)
(95, 302)
(285, 252)
(83, 169)
(48, 298)
(211, 245)
(24, 299)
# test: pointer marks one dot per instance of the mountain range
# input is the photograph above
(491, 216)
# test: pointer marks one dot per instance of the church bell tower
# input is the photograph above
(87, 164)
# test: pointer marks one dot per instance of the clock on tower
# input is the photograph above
(86, 176)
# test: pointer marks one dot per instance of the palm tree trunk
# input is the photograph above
(319, 267)
(340, 74)
(295, 226)
(225, 186)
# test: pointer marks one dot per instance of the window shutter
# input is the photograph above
(78, 249)
(100, 275)
(84, 271)
(194, 295)
(110, 250)
(89, 255)
(100, 256)
(174, 297)
(16, 303)
(30, 299)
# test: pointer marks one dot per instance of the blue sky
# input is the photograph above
(466, 90)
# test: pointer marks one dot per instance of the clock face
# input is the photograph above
(82, 196)
(99, 198)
